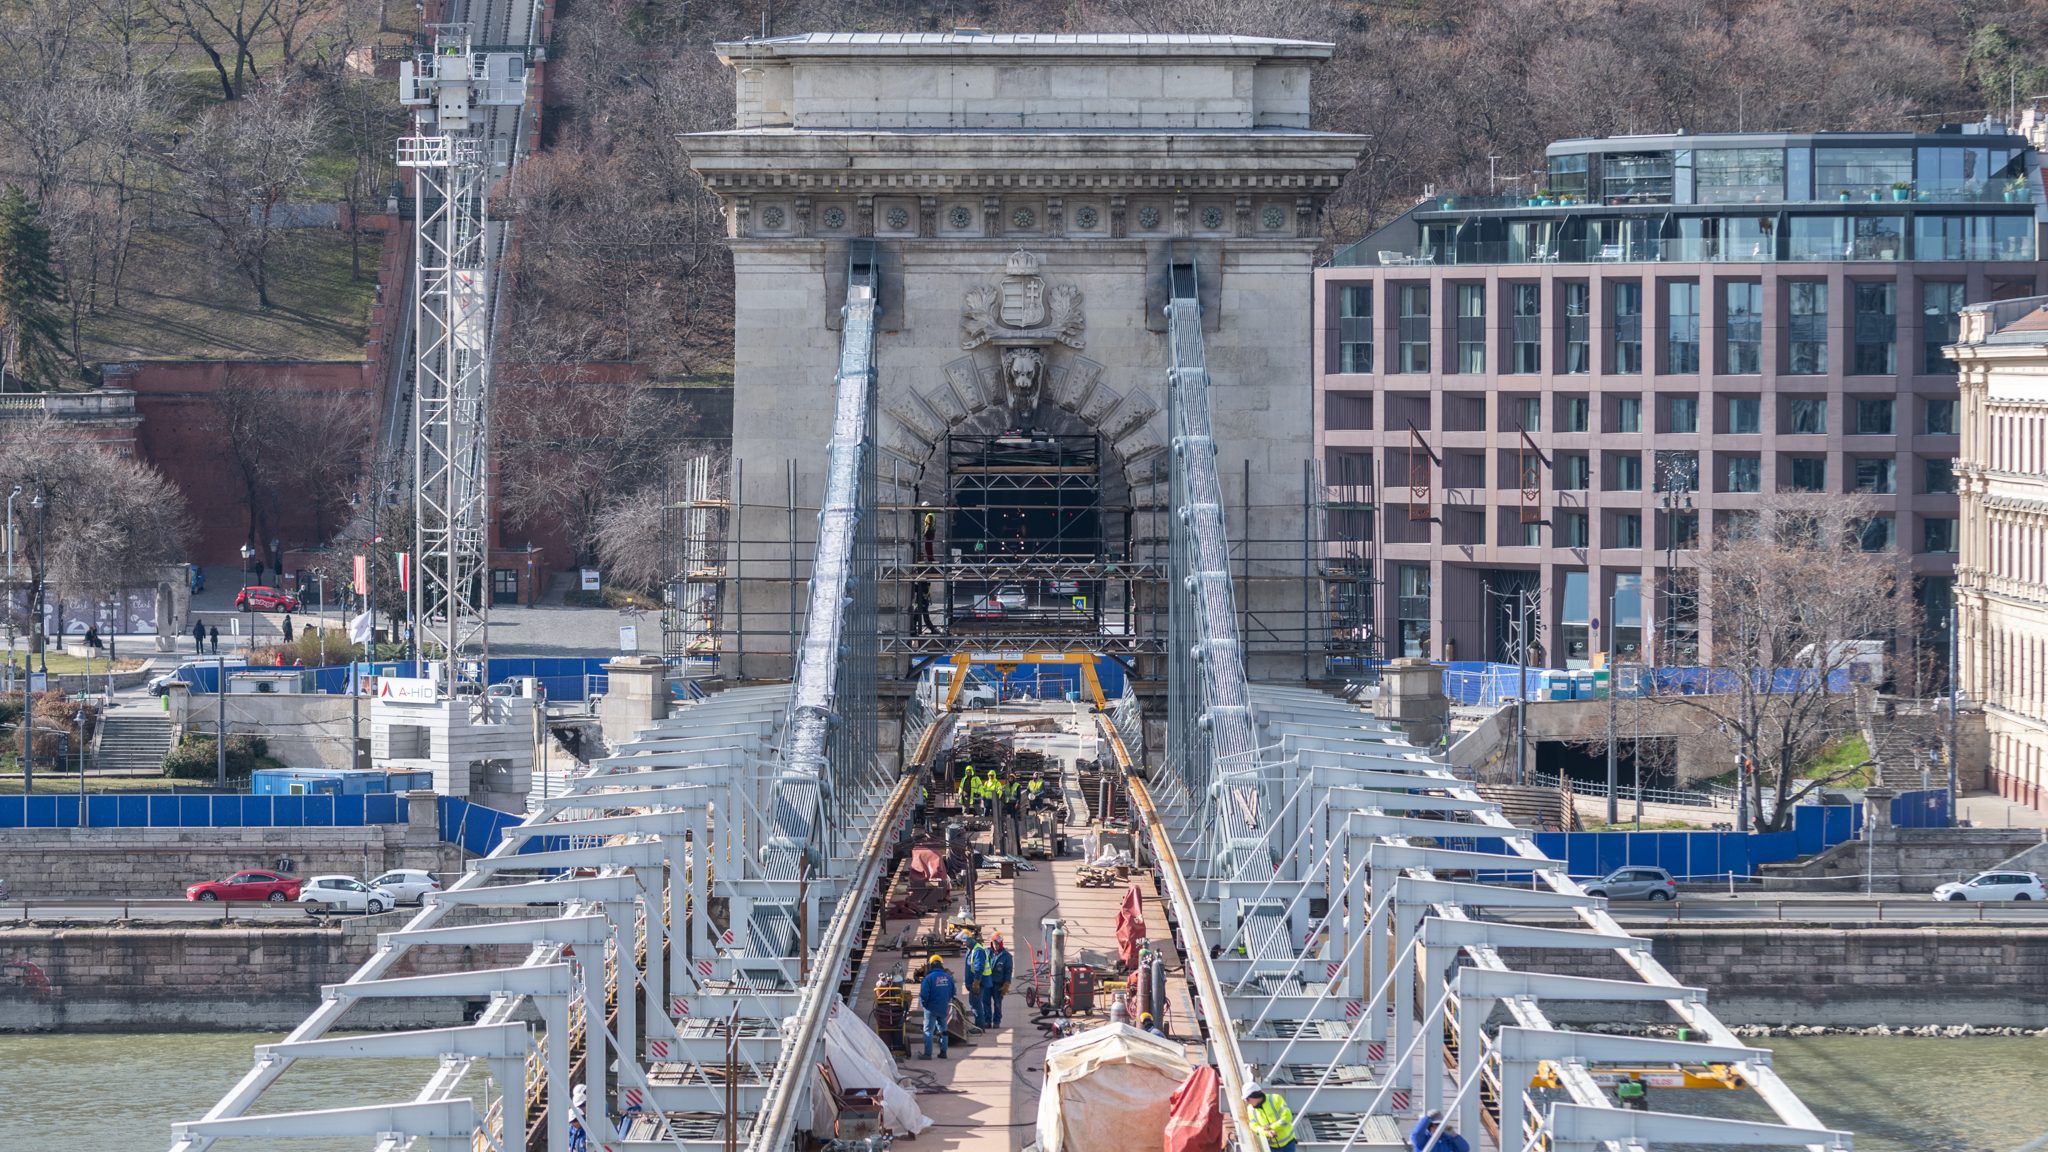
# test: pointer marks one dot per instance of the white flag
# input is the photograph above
(361, 629)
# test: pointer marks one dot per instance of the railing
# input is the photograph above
(97, 404)
(1711, 797)
(1764, 250)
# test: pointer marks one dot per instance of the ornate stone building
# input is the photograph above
(1025, 195)
(2002, 573)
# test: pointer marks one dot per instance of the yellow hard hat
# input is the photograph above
(937, 959)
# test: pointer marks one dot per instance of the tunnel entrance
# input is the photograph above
(1586, 763)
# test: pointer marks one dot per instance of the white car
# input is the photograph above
(408, 885)
(1995, 886)
(345, 894)
(1012, 597)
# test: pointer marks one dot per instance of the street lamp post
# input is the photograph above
(37, 504)
(10, 580)
(320, 586)
(1676, 497)
(248, 620)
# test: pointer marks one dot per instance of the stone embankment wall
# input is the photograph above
(1843, 977)
(246, 977)
(1902, 860)
(99, 864)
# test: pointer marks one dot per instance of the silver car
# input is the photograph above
(1634, 883)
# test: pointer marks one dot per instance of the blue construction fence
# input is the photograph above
(1694, 856)
(1049, 681)
(562, 678)
(476, 828)
(1484, 683)
(1921, 808)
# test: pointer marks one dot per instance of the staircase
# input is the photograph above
(133, 743)
(1900, 734)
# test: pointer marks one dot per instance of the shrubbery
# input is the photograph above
(195, 759)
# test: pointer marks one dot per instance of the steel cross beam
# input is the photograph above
(1577, 1128)
(446, 1125)
(1522, 1049)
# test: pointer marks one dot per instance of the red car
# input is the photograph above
(262, 598)
(247, 886)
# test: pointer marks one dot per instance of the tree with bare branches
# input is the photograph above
(242, 165)
(1798, 611)
(95, 521)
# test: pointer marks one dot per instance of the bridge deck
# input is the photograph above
(984, 1098)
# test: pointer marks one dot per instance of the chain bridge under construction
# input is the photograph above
(1022, 383)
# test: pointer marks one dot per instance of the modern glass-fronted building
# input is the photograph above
(1567, 392)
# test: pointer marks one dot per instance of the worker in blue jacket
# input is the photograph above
(935, 996)
(997, 984)
(1425, 1128)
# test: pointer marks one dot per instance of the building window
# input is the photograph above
(1682, 326)
(1685, 530)
(1628, 327)
(1738, 175)
(1807, 337)
(1354, 328)
(1875, 474)
(1938, 476)
(1411, 609)
(1575, 471)
(1528, 321)
(1472, 328)
(1860, 171)
(1684, 413)
(1347, 411)
(1531, 534)
(1525, 413)
(1628, 472)
(1578, 327)
(1937, 534)
(1575, 618)
(1941, 304)
(1743, 338)
(1943, 417)
(1809, 474)
(1878, 534)
(1578, 414)
(1877, 323)
(1678, 471)
(1873, 418)
(1414, 328)
(1628, 414)
(1745, 415)
(1628, 530)
(1572, 526)
(1807, 416)
(1745, 474)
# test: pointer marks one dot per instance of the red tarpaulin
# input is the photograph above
(1130, 927)
(927, 863)
(1195, 1123)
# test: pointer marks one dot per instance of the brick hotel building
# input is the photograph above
(1567, 392)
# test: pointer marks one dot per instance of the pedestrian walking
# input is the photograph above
(997, 984)
(287, 627)
(929, 528)
(213, 639)
(198, 638)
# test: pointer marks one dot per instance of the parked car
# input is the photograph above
(1012, 597)
(269, 886)
(1635, 883)
(263, 598)
(345, 894)
(409, 885)
(1994, 886)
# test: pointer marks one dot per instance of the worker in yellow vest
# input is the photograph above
(1271, 1118)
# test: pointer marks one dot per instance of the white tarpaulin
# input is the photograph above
(860, 1060)
(1110, 1089)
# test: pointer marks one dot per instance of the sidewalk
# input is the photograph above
(1990, 810)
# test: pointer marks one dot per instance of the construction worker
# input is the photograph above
(1633, 1093)
(935, 996)
(1271, 1118)
(1037, 786)
(967, 787)
(1425, 1128)
(979, 971)
(1147, 1024)
(997, 984)
(1448, 1140)
(928, 527)
(921, 608)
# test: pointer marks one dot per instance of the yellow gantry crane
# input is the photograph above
(1006, 662)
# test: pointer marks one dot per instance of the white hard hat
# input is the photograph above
(1251, 1090)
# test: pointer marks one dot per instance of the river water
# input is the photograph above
(119, 1093)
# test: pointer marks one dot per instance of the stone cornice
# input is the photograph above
(1019, 180)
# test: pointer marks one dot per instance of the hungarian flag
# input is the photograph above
(405, 571)
(362, 575)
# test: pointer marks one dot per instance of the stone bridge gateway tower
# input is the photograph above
(1025, 196)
